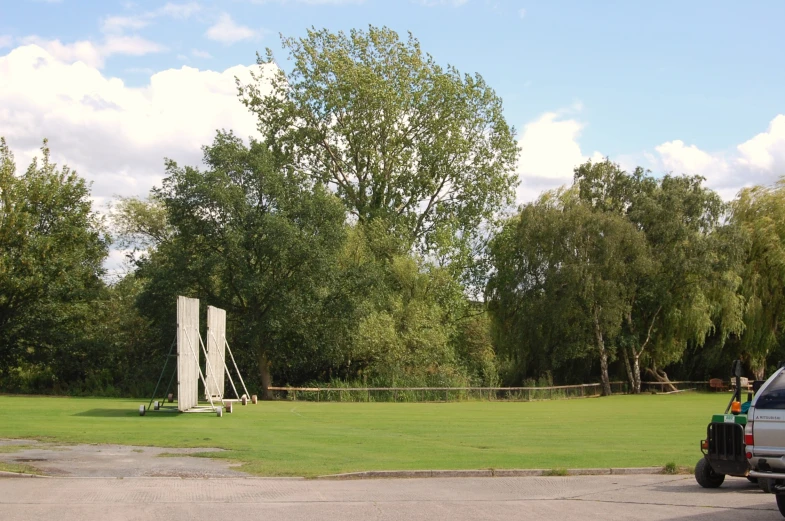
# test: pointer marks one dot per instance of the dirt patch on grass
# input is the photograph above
(119, 461)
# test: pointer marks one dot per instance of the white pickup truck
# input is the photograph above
(764, 437)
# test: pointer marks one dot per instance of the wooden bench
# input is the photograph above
(716, 384)
(745, 384)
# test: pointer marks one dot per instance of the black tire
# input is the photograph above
(751, 479)
(705, 475)
(781, 503)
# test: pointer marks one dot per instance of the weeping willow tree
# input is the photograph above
(565, 278)
(760, 212)
(692, 288)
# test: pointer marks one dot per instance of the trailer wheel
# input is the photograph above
(141, 410)
(781, 503)
(219, 411)
(229, 407)
(157, 405)
(253, 399)
(706, 477)
(171, 397)
(244, 401)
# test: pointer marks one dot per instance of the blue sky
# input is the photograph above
(695, 87)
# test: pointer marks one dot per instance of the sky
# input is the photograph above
(693, 87)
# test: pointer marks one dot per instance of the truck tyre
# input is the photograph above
(781, 503)
(707, 478)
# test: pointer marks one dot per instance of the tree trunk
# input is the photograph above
(636, 371)
(264, 372)
(606, 382)
(636, 354)
(629, 370)
(759, 371)
(661, 376)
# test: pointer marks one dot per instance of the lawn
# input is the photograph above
(310, 439)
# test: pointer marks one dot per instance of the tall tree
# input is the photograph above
(254, 237)
(579, 264)
(398, 137)
(52, 246)
(692, 288)
(760, 212)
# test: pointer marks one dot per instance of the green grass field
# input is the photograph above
(310, 439)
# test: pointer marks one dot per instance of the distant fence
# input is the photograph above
(456, 394)
(441, 394)
(680, 385)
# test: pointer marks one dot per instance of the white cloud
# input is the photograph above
(178, 10)
(766, 151)
(522, 13)
(114, 135)
(5, 40)
(549, 153)
(119, 24)
(130, 45)
(676, 156)
(201, 54)
(91, 53)
(225, 30)
(81, 51)
(759, 160)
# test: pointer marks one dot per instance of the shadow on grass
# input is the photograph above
(124, 413)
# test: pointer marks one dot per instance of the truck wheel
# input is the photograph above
(781, 503)
(706, 477)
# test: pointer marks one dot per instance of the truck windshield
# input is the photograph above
(774, 395)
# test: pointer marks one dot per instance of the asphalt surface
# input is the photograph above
(117, 461)
(637, 497)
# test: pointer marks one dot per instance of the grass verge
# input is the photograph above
(19, 468)
(311, 439)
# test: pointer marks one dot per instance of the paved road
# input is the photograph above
(582, 498)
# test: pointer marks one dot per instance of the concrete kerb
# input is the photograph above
(6, 474)
(491, 473)
(403, 474)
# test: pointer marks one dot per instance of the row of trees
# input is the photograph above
(641, 269)
(360, 241)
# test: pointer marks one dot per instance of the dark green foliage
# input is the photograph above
(252, 237)
(52, 247)
(564, 282)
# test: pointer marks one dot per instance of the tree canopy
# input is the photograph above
(251, 236)
(367, 239)
(397, 136)
(52, 246)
